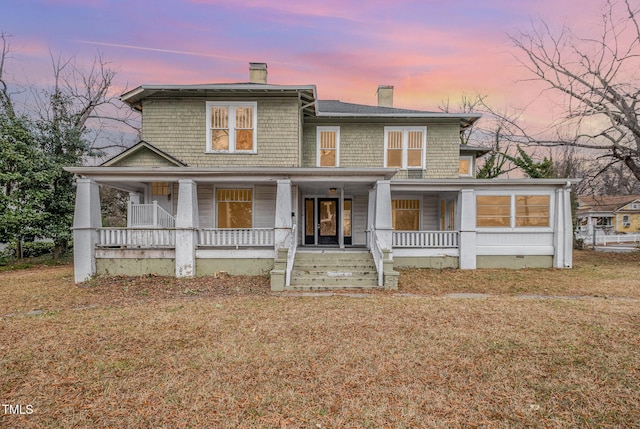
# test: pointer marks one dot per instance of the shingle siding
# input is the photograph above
(178, 127)
(443, 151)
(143, 158)
(362, 145)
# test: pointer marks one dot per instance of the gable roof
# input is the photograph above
(140, 147)
(603, 203)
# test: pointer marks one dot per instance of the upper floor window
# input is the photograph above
(466, 166)
(328, 139)
(404, 147)
(231, 127)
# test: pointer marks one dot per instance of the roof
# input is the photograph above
(603, 203)
(478, 149)
(339, 109)
(307, 93)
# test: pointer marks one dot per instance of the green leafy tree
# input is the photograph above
(531, 168)
(24, 182)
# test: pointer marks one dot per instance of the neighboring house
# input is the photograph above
(256, 178)
(608, 213)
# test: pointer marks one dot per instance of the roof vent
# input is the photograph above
(385, 96)
(258, 72)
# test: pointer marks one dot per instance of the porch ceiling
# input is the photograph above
(324, 188)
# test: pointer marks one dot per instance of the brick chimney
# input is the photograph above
(385, 96)
(258, 72)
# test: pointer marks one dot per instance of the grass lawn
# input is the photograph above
(162, 352)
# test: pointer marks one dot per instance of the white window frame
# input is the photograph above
(239, 186)
(337, 131)
(405, 139)
(232, 125)
(627, 222)
(420, 207)
(512, 213)
(471, 166)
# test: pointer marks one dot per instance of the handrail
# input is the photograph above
(149, 215)
(376, 252)
(291, 254)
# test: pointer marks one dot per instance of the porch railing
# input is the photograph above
(236, 237)
(376, 252)
(137, 238)
(293, 245)
(426, 239)
(149, 215)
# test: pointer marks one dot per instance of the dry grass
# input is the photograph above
(593, 274)
(155, 352)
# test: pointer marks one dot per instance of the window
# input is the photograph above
(328, 146)
(234, 208)
(159, 188)
(509, 211)
(405, 215)
(346, 218)
(231, 127)
(625, 220)
(404, 147)
(492, 210)
(532, 210)
(466, 165)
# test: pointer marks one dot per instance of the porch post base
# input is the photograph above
(186, 241)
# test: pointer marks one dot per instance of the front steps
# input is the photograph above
(333, 269)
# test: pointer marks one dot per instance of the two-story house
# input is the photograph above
(256, 178)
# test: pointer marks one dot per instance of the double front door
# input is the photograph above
(323, 219)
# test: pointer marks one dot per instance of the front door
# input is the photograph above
(328, 220)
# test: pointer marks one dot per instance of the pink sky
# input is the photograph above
(429, 50)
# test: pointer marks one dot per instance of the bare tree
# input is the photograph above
(598, 77)
(91, 109)
(5, 97)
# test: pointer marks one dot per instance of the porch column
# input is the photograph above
(283, 221)
(186, 228)
(568, 226)
(382, 221)
(467, 246)
(86, 221)
(563, 237)
(371, 214)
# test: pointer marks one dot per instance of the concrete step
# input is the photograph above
(333, 266)
(333, 270)
(334, 282)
